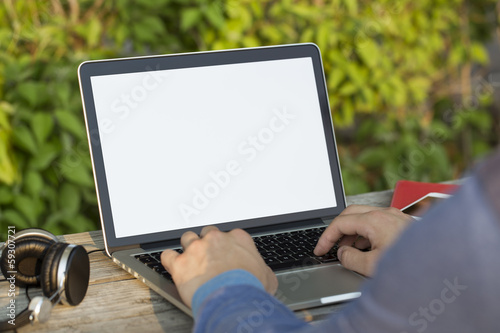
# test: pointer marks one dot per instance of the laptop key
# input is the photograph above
(145, 259)
(271, 247)
(293, 264)
(281, 266)
(268, 254)
(329, 257)
(167, 276)
(282, 252)
(271, 261)
(286, 258)
(300, 256)
(155, 266)
(156, 255)
(295, 249)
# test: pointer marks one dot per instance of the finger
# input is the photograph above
(355, 260)
(272, 281)
(207, 229)
(243, 237)
(187, 238)
(347, 240)
(362, 243)
(168, 259)
(351, 224)
(327, 239)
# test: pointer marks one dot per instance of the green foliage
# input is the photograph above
(389, 66)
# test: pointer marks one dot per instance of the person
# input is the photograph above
(438, 274)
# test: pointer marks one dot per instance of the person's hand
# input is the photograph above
(361, 228)
(211, 254)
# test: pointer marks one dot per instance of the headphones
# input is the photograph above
(35, 257)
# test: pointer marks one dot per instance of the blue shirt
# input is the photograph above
(440, 276)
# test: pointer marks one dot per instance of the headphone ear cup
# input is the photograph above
(76, 269)
(29, 254)
(49, 270)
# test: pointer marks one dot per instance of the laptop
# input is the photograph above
(237, 139)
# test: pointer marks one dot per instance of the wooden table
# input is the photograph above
(117, 302)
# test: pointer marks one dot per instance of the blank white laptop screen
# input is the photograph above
(198, 146)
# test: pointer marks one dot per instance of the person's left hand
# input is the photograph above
(213, 253)
(361, 227)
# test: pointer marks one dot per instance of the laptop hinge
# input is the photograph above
(161, 244)
(122, 248)
(285, 226)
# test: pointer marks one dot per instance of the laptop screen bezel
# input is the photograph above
(190, 60)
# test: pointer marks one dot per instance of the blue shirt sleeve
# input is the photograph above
(244, 308)
(226, 279)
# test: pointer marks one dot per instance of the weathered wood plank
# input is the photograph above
(117, 302)
(378, 199)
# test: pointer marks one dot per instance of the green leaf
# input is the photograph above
(32, 92)
(154, 25)
(323, 36)
(480, 119)
(457, 55)
(479, 54)
(6, 196)
(354, 184)
(33, 183)
(44, 157)
(335, 78)
(24, 138)
(213, 13)
(373, 157)
(41, 125)
(8, 172)
(368, 52)
(79, 223)
(5, 110)
(71, 123)
(14, 218)
(69, 199)
(93, 32)
(27, 207)
(348, 89)
(352, 6)
(76, 172)
(189, 17)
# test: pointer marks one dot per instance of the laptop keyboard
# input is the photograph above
(280, 251)
(292, 249)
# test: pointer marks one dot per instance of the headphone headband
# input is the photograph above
(31, 232)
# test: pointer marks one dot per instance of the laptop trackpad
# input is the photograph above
(318, 286)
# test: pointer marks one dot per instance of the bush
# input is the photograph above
(390, 67)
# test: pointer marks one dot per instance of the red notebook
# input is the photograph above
(407, 191)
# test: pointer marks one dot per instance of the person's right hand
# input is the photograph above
(362, 227)
(211, 253)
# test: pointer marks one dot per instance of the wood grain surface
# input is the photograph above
(117, 302)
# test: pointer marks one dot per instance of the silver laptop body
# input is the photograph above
(237, 138)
